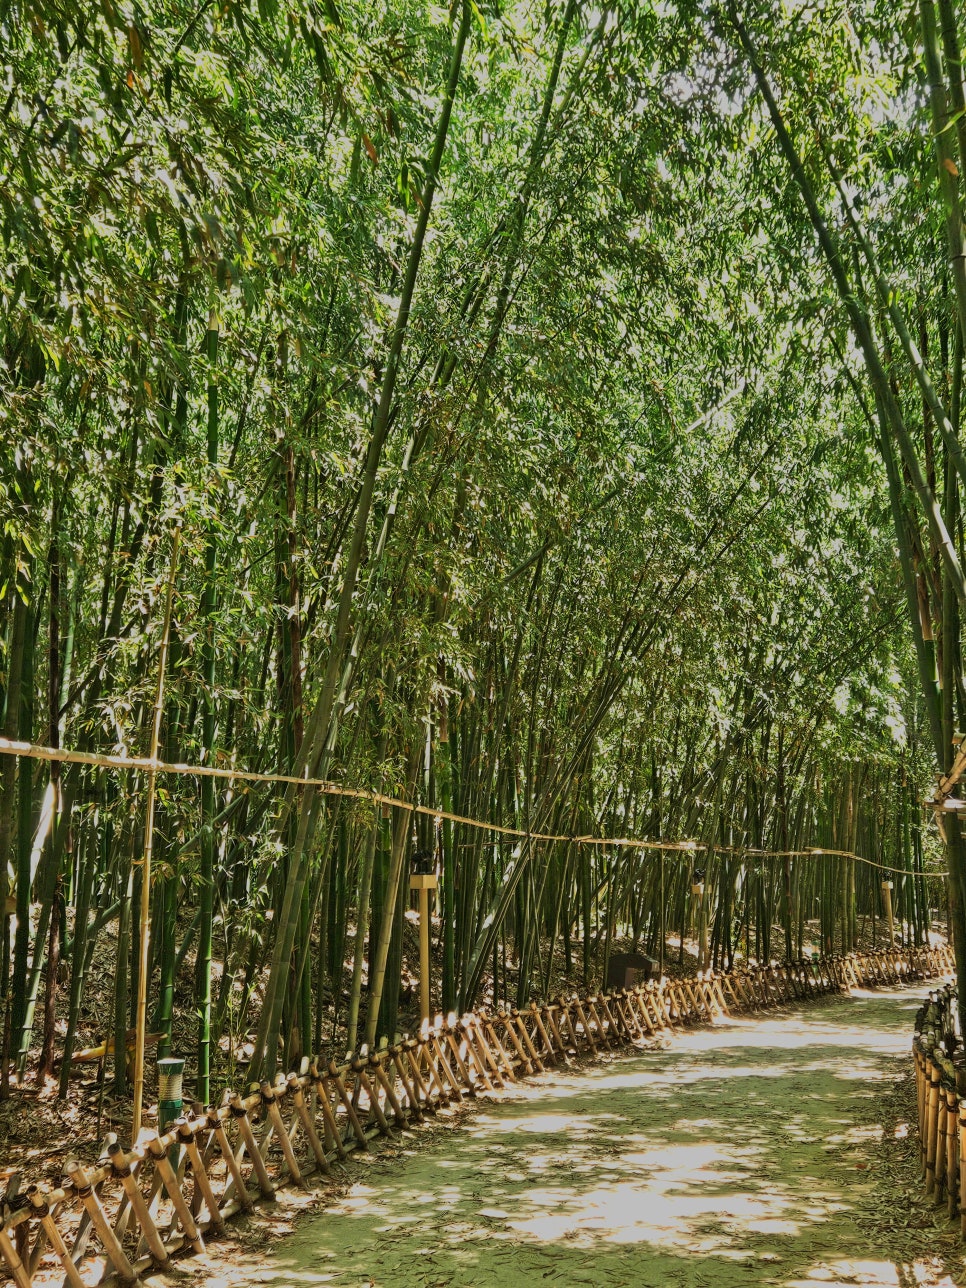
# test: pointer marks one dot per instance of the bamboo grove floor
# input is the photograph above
(771, 1151)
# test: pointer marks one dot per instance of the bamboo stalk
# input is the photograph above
(347, 1105)
(172, 1185)
(42, 1209)
(932, 1127)
(239, 1112)
(237, 1181)
(328, 1113)
(200, 1174)
(145, 909)
(121, 1164)
(952, 1152)
(270, 1104)
(115, 1253)
(415, 1110)
(379, 1072)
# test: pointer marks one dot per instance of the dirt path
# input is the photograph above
(752, 1153)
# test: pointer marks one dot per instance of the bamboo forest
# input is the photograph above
(511, 444)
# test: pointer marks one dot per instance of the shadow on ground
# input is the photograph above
(742, 1155)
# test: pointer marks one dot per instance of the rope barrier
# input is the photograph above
(100, 760)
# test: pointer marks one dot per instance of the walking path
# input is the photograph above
(750, 1153)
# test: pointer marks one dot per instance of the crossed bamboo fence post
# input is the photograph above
(135, 1208)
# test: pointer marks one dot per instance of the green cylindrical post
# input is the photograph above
(170, 1103)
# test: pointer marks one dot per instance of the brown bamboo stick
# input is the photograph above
(239, 1112)
(409, 1047)
(379, 1072)
(121, 1165)
(18, 1271)
(173, 1187)
(551, 1012)
(328, 1113)
(42, 1210)
(522, 1056)
(397, 1055)
(517, 1019)
(467, 1074)
(493, 1041)
(952, 1152)
(308, 1126)
(112, 1247)
(932, 1128)
(359, 1069)
(200, 1173)
(336, 1079)
(237, 1181)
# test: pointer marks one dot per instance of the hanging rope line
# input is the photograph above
(99, 760)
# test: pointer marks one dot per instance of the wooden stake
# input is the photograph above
(173, 1186)
(145, 910)
(244, 1124)
(115, 1253)
(121, 1165)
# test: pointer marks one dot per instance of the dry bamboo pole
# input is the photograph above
(630, 1013)
(359, 1069)
(379, 1073)
(547, 1054)
(443, 1056)
(962, 1170)
(939, 1192)
(616, 1021)
(408, 1047)
(121, 1166)
(328, 1113)
(689, 1005)
(109, 1240)
(466, 1073)
(308, 1126)
(243, 1123)
(555, 1028)
(237, 1181)
(425, 1054)
(73, 1276)
(525, 1063)
(201, 1178)
(18, 1271)
(657, 996)
(631, 1016)
(437, 1042)
(481, 1049)
(517, 1019)
(605, 1036)
(473, 1054)
(569, 1019)
(171, 1184)
(588, 1035)
(494, 1040)
(952, 1152)
(932, 1127)
(336, 1079)
(719, 994)
(919, 1064)
(145, 903)
(397, 1054)
(637, 1004)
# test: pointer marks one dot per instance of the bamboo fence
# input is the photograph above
(133, 1209)
(941, 1101)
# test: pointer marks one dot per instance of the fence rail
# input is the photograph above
(941, 1101)
(133, 1208)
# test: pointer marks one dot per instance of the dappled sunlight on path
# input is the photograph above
(739, 1155)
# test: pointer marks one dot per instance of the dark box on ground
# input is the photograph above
(624, 970)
